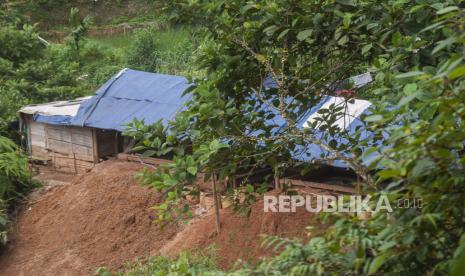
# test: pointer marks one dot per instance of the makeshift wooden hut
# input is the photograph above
(74, 135)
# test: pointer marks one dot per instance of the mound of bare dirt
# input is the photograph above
(101, 219)
(240, 236)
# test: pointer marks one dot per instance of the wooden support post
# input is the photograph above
(220, 201)
(54, 160)
(234, 182)
(225, 183)
(217, 209)
(277, 184)
(95, 145)
(29, 136)
(116, 143)
(72, 149)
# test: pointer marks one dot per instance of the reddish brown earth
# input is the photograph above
(240, 237)
(102, 218)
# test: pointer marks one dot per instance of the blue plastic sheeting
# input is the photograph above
(133, 94)
(53, 119)
(315, 152)
(152, 97)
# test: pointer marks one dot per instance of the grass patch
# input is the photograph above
(166, 39)
(174, 37)
(115, 42)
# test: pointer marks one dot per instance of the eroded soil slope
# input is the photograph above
(240, 236)
(102, 218)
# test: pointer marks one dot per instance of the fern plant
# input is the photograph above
(15, 177)
(4, 222)
(15, 180)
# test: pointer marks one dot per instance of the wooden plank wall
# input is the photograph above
(38, 140)
(71, 149)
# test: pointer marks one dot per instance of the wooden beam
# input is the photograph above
(72, 147)
(323, 186)
(95, 145)
(139, 158)
(234, 182)
(29, 140)
(249, 174)
(116, 143)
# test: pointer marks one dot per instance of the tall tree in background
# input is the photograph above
(30, 72)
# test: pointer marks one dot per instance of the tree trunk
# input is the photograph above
(217, 209)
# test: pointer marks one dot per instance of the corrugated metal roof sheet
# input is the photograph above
(56, 113)
(65, 108)
(349, 121)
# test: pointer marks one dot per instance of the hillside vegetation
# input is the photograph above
(35, 71)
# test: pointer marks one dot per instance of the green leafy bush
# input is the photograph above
(15, 177)
(169, 52)
(185, 264)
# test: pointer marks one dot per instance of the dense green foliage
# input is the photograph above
(52, 14)
(14, 173)
(415, 49)
(15, 180)
(3, 223)
(79, 28)
(30, 71)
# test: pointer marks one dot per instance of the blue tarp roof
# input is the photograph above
(133, 94)
(313, 151)
(152, 97)
(53, 119)
(128, 95)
